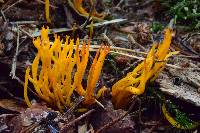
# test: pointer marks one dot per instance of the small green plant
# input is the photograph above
(180, 119)
(184, 11)
(172, 114)
(156, 26)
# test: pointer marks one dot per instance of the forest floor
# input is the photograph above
(130, 27)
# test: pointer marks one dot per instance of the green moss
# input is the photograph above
(185, 12)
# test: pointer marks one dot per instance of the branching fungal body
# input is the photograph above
(62, 70)
(134, 83)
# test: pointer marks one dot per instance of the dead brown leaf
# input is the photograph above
(12, 105)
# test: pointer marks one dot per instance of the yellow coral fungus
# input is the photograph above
(184, 123)
(134, 83)
(169, 118)
(94, 73)
(77, 5)
(47, 11)
(54, 81)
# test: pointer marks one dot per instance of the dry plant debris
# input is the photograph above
(54, 82)
(134, 83)
(63, 84)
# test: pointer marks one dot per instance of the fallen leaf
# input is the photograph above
(12, 105)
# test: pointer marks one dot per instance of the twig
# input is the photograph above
(188, 56)
(184, 41)
(66, 126)
(121, 1)
(14, 62)
(114, 48)
(127, 55)
(22, 83)
(100, 104)
(178, 67)
(4, 17)
(23, 22)
(141, 58)
(25, 32)
(117, 119)
(108, 39)
(140, 5)
(130, 37)
(77, 102)
(189, 36)
(52, 31)
(12, 5)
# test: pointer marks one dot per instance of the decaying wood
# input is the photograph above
(186, 89)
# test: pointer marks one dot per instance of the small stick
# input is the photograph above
(25, 32)
(130, 37)
(121, 1)
(66, 126)
(77, 102)
(13, 70)
(22, 83)
(99, 103)
(188, 56)
(117, 119)
(4, 17)
(12, 5)
(23, 22)
(58, 30)
(128, 55)
(108, 39)
(14, 63)
(141, 58)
